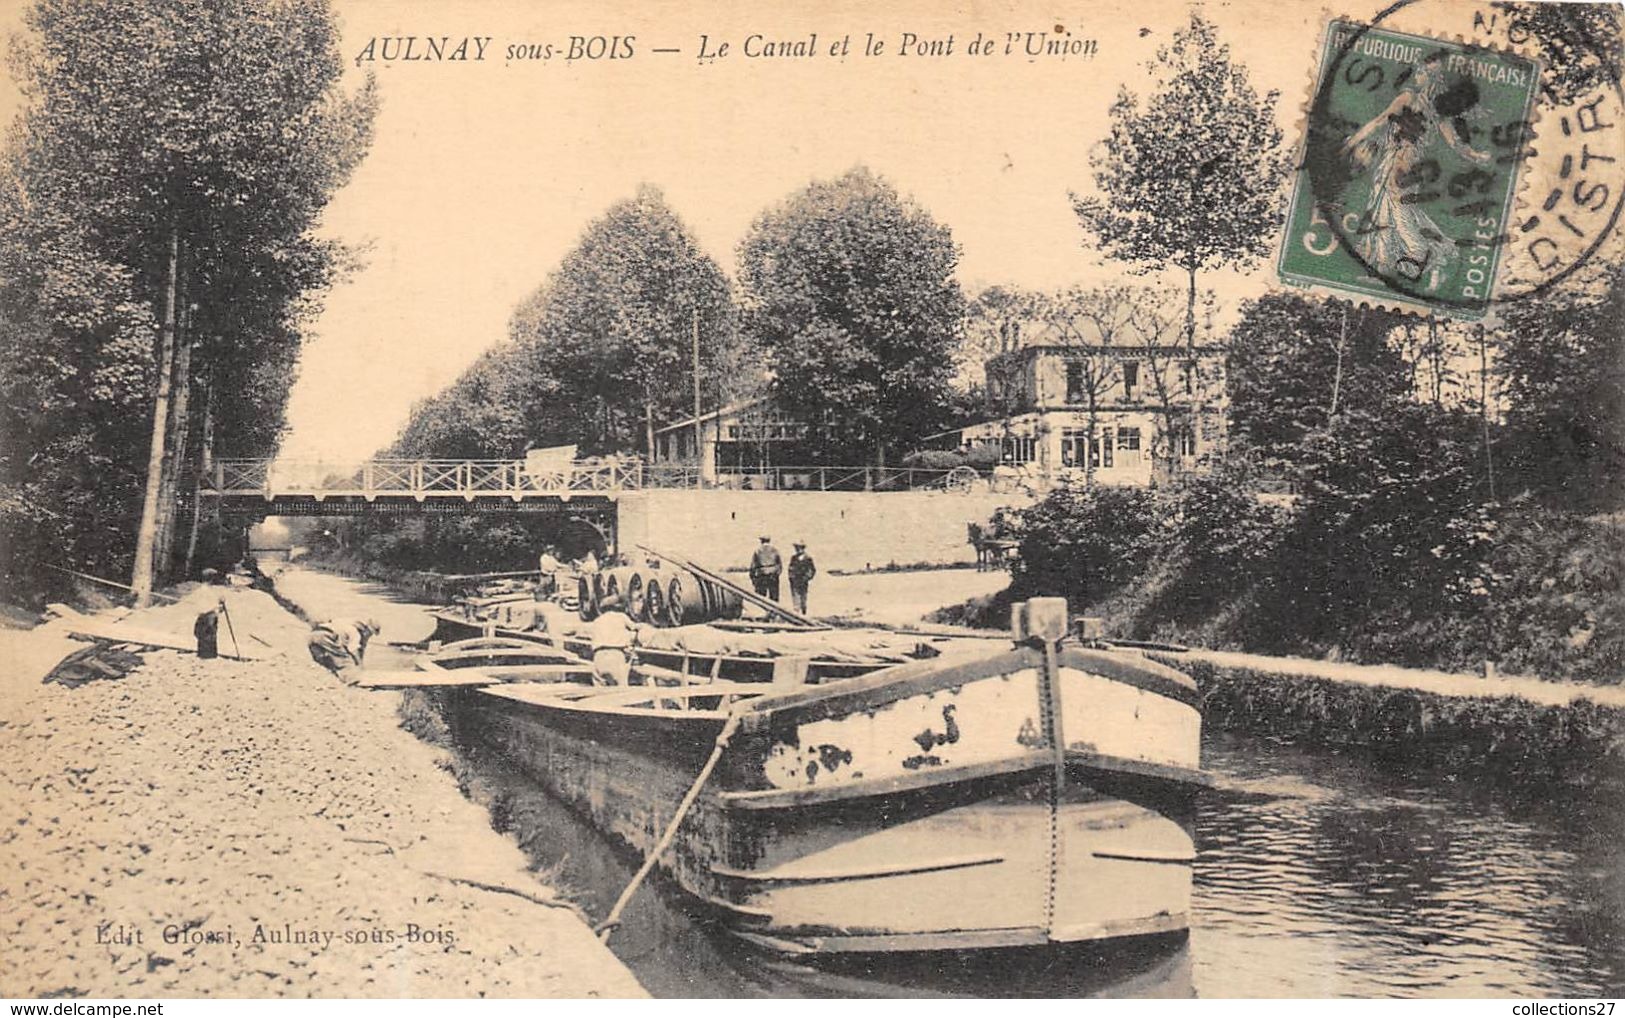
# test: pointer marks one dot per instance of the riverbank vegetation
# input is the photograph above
(1422, 527)
(159, 262)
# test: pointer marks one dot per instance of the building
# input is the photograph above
(1135, 413)
(1157, 410)
(749, 438)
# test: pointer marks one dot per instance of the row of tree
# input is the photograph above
(846, 304)
(846, 300)
(158, 262)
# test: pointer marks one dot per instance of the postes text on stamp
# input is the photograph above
(1409, 169)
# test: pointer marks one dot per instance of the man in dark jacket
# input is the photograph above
(802, 570)
(765, 567)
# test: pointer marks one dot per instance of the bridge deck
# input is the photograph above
(419, 481)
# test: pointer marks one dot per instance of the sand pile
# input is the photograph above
(254, 829)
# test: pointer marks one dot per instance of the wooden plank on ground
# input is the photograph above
(95, 629)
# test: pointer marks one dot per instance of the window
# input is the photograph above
(1128, 438)
(1190, 378)
(1106, 447)
(1131, 378)
(1183, 443)
(1074, 382)
(1019, 450)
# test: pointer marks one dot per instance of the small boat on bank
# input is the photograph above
(1007, 794)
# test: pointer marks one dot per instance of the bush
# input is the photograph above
(934, 459)
(1085, 543)
(1556, 607)
(1220, 536)
(983, 457)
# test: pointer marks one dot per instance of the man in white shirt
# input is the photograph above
(613, 635)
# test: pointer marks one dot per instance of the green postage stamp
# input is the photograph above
(1409, 169)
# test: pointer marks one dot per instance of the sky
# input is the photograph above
(484, 174)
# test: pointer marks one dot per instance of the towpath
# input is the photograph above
(255, 829)
(1541, 691)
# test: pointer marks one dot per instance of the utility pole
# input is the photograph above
(698, 431)
(145, 538)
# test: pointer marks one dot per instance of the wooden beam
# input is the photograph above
(95, 629)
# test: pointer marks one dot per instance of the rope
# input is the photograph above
(613, 920)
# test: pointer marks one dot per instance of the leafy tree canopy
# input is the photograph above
(849, 288)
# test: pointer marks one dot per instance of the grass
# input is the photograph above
(1506, 740)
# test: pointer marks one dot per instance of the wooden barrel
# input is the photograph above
(587, 590)
(691, 598)
(634, 588)
(654, 601)
(683, 599)
(725, 603)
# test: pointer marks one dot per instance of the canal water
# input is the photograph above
(1348, 879)
(1344, 881)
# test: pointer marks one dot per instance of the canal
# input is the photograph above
(1347, 879)
(1352, 882)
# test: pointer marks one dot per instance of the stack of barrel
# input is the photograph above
(659, 597)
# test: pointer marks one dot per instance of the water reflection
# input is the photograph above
(1390, 886)
(1354, 883)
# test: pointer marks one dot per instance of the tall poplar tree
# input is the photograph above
(1192, 174)
(185, 148)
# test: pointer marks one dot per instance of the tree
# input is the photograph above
(1192, 176)
(1173, 374)
(1090, 321)
(1295, 364)
(618, 316)
(849, 288)
(1579, 44)
(993, 325)
(1564, 382)
(190, 171)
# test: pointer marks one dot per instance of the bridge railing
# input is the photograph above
(440, 478)
(419, 478)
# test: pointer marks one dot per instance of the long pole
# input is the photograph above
(145, 538)
(698, 431)
(613, 920)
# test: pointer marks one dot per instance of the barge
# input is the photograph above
(993, 794)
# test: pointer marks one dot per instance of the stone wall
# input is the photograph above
(843, 530)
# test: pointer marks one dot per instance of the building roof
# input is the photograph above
(723, 411)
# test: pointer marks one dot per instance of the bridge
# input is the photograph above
(385, 486)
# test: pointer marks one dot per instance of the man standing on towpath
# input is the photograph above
(802, 570)
(765, 567)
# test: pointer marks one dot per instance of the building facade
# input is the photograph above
(1130, 414)
(746, 439)
(1127, 414)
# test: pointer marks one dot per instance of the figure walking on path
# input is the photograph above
(765, 567)
(802, 570)
(340, 644)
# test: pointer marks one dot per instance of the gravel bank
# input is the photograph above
(255, 829)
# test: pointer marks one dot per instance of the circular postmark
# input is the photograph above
(1417, 146)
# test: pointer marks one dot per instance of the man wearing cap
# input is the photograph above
(802, 570)
(765, 567)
